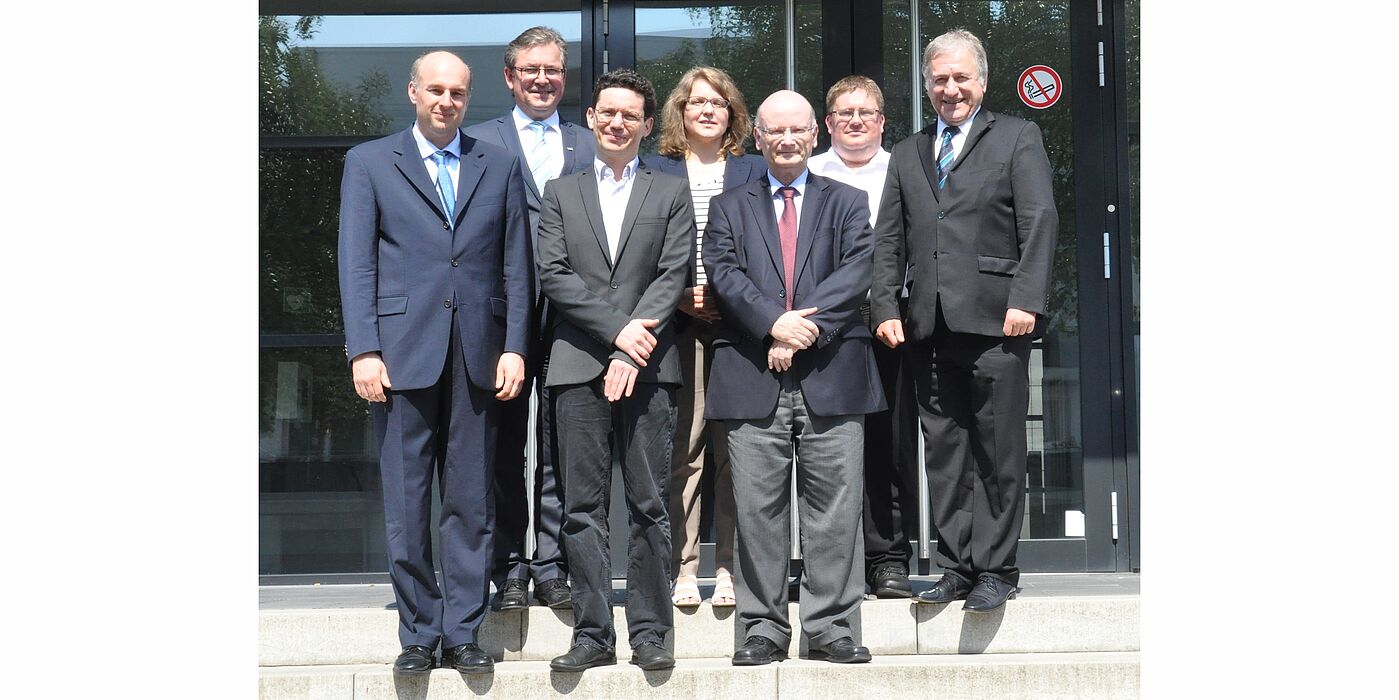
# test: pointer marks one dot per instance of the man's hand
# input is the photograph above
(793, 329)
(509, 375)
(371, 376)
(1018, 322)
(780, 356)
(891, 332)
(619, 381)
(636, 341)
(705, 307)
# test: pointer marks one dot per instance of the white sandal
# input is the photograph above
(723, 590)
(685, 593)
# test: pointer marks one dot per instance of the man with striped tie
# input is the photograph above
(547, 147)
(968, 223)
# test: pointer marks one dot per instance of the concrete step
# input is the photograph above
(1055, 624)
(1002, 676)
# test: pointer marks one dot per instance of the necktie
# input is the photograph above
(787, 234)
(541, 157)
(444, 181)
(945, 155)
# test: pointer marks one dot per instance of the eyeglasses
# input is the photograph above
(700, 102)
(530, 71)
(605, 116)
(787, 131)
(846, 115)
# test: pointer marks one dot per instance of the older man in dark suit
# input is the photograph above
(968, 222)
(614, 246)
(789, 262)
(437, 289)
(547, 147)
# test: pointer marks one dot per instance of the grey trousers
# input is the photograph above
(830, 490)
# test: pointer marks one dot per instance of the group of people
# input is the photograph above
(789, 314)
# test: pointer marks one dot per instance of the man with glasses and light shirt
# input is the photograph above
(855, 120)
(614, 255)
(547, 147)
(789, 263)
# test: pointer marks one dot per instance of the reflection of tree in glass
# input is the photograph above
(299, 188)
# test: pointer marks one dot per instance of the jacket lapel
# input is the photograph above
(410, 163)
(760, 203)
(924, 143)
(505, 126)
(811, 210)
(736, 172)
(570, 141)
(983, 122)
(592, 205)
(641, 182)
(468, 175)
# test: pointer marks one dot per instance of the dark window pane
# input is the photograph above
(298, 222)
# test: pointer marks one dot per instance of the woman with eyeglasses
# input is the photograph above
(704, 123)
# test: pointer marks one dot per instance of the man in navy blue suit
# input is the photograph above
(437, 288)
(547, 147)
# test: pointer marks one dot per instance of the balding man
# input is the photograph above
(788, 258)
(437, 289)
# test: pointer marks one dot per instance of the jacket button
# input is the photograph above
(456, 264)
(447, 303)
(781, 294)
(935, 255)
(614, 285)
(942, 215)
(448, 227)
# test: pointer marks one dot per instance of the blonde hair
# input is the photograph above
(673, 140)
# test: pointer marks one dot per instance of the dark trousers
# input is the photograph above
(891, 464)
(445, 431)
(641, 430)
(512, 499)
(973, 393)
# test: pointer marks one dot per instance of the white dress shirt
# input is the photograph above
(613, 195)
(426, 149)
(553, 138)
(777, 203)
(868, 177)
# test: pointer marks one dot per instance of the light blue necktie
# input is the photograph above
(444, 181)
(945, 155)
(541, 157)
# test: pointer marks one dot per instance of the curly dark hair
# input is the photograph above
(631, 80)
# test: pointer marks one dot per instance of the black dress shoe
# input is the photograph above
(652, 657)
(582, 657)
(841, 651)
(553, 593)
(468, 658)
(947, 589)
(511, 596)
(414, 659)
(757, 651)
(989, 594)
(891, 581)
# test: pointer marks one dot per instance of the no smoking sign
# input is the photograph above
(1039, 87)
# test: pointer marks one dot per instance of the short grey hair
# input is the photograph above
(951, 41)
(532, 37)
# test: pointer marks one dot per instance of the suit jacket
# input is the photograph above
(981, 245)
(404, 266)
(592, 297)
(743, 258)
(738, 171)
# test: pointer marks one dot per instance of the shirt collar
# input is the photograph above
(602, 170)
(962, 129)
(426, 149)
(522, 120)
(880, 161)
(799, 183)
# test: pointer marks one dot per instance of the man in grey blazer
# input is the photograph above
(547, 147)
(968, 222)
(789, 263)
(614, 246)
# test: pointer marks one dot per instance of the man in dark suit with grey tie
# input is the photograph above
(614, 246)
(547, 147)
(968, 222)
(437, 290)
(789, 263)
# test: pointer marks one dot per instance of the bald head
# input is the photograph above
(439, 87)
(785, 133)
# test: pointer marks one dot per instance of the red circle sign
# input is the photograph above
(1039, 87)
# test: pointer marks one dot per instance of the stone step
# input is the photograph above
(1055, 624)
(1000, 676)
